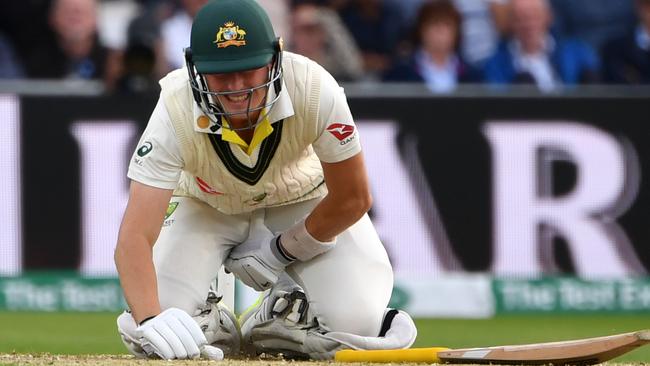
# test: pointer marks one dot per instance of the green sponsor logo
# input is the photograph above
(145, 149)
(170, 209)
(571, 295)
(259, 197)
(60, 292)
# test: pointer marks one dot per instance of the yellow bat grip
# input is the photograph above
(423, 355)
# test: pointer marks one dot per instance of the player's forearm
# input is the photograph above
(138, 278)
(347, 201)
(335, 214)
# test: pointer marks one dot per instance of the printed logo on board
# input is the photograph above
(340, 131)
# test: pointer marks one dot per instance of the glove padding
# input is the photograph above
(219, 325)
(172, 334)
(286, 325)
(258, 261)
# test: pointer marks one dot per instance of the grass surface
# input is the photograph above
(95, 333)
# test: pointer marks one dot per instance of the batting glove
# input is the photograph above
(172, 334)
(259, 260)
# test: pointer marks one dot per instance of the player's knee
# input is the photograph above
(360, 317)
(177, 294)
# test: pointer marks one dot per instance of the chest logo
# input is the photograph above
(205, 188)
(340, 131)
(170, 209)
(230, 35)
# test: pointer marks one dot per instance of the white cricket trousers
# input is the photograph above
(348, 287)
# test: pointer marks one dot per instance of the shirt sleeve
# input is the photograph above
(338, 138)
(157, 160)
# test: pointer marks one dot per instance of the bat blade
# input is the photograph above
(575, 352)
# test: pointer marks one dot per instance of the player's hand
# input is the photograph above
(172, 334)
(258, 262)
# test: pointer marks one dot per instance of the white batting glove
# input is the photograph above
(172, 334)
(259, 260)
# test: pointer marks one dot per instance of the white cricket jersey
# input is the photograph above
(311, 123)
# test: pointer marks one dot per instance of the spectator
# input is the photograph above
(319, 34)
(141, 56)
(74, 51)
(280, 15)
(593, 21)
(10, 68)
(175, 32)
(484, 23)
(144, 40)
(436, 60)
(377, 27)
(31, 40)
(534, 56)
(113, 20)
(627, 59)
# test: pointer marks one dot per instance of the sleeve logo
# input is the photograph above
(145, 149)
(340, 131)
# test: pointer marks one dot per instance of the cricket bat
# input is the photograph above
(586, 351)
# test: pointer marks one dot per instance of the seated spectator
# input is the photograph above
(319, 34)
(627, 59)
(31, 40)
(280, 15)
(175, 32)
(377, 27)
(435, 61)
(10, 68)
(484, 23)
(75, 51)
(593, 21)
(144, 32)
(139, 72)
(533, 55)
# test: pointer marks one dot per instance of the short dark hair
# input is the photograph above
(433, 11)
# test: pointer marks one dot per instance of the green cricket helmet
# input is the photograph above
(231, 36)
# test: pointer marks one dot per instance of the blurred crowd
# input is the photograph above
(130, 44)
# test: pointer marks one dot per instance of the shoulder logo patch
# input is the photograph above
(340, 131)
(145, 149)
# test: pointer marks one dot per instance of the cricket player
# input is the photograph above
(251, 160)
